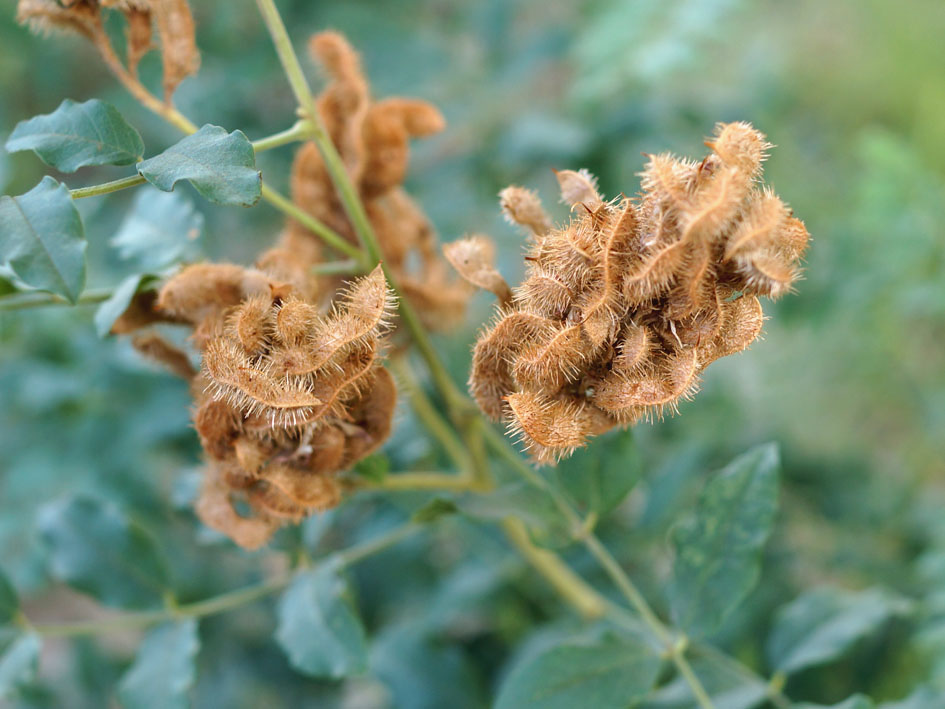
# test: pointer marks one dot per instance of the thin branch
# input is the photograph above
(225, 601)
(300, 131)
(21, 301)
(106, 187)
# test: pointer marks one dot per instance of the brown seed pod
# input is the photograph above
(622, 308)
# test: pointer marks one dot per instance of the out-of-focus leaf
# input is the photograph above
(19, 655)
(422, 673)
(434, 509)
(95, 548)
(221, 166)
(921, 698)
(600, 476)
(613, 672)
(857, 701)
(161, 229)
(9, 601)
(821, 625)
(79, 134)
(374, 468)
(110, 310)
(43, 240)
(318, 628)
(163, 671)
(717, 551)
(523, 501)
(726, 686)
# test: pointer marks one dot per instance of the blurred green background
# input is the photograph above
(849, 379)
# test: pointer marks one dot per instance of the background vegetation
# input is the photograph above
(849, 380)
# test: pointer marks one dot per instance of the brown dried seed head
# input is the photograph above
(523, 207)
(624, 307)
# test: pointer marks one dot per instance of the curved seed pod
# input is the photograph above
(372, 418)
(252, 323)
(155, 347)
(252, 454)
(792, 239)
(759, 227)
(179, 54)
(766, 273)
(217, 424)
(215, 509)
(549, 428)
(668, 181)
(555, 358)
(741, 322)
(199, 290)
(634, 349)
(741, 146)
(474, 260)
(544, 293)
(523, 207)
(490, 378)
(304, 488)
(669, 379)
(272, 502)
(327, 450)
(579, 188)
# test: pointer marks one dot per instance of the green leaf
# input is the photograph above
(615, 671)
(374, 468)
(163, 671)
(857, 701)
(220, 165)
(318, 628)
(600, 476)
(161, 229)
(523, 501)
(433, 510)
(43, 240)
(923, 697)
(19, 656)
(822, 624)
(718, 551)
(423, 672)
(112, 309)
(97, 549)
(9, 601)
(79, 134)
(728, 686)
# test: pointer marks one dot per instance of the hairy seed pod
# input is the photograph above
(622, 308)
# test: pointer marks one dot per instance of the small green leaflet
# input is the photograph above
(79, 134)
(718, 551)
(221, 166)
(19, 655)
(163, 671)
(318, 628)
(610, 673)
(821, 625)
(9, 602)
(159, 230)
(95, 548)
(727, 686)
(42, 239)
(112, 309)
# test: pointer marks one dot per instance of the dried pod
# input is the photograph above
(523, 207)
(622, 308)
(474, 259)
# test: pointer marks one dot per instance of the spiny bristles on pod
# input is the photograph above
(290, 392)
(474, 260)
(523, 207)
(622, 308)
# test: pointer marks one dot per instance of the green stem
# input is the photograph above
(105, 188)
(350, 267)
(610, 566)
(20, 301)
(330, 237)
(300, 131)
(450, 482)
(431, 418)
(225, 601)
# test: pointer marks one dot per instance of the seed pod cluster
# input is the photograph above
(372, 137)
(622, 308)
(288, 395)
(170, 21)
